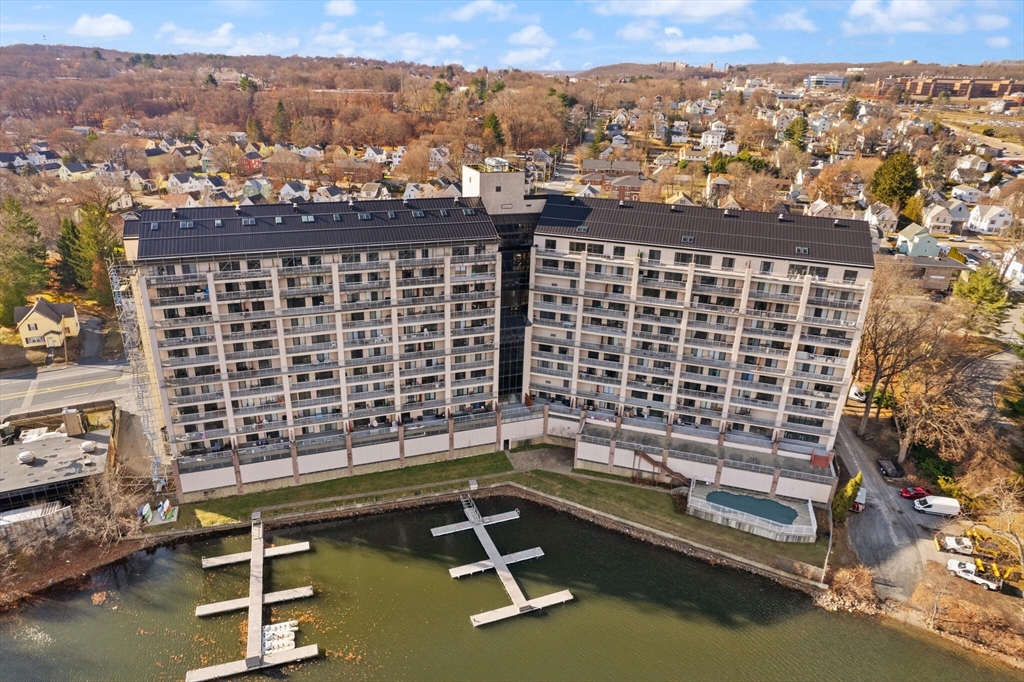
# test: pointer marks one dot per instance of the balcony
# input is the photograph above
(429, 387)
(418, 262)
(471, 295)
(772, 296)
(652, 404)
(768, 314)
(544, 305)
(275, 406)
(370, 360)
(423, 404)
(179, 300)
(248, 315)
(303, 270)
(704, 378)
(366, 378)
(358, 397)
(293, 312)
(548, 322)
(700, 324)
(242, 274)
(701, 395)
(708, 343)
(476, 364)
(827, 322)
(759, 404)
(418, 371)
(651, 353)
(806, 428)
(769, 333)
(198, 417)
(185, 278)
(244, 295)
(415, 355)
(758, 386)
(821, 395)
(192, 381)
(422, 336)
(365, 305)
(743, 415)
(195, 398)
(312, 290)
(474, 277)
(591, 362)
(257, 353)
(728, 310)
(314, 402)
(657, 371)
(603, 329)
(473, 312)
(369, 265)
(370, 412)
(827, 359)
(698, 411)
(551, 371)
(813, 411)
(471, 398)
(364, 286)
(254, 373)
(715, 289)
(257, 390)
(314, 367)
(834, 303)
(194, 320)
(186, 341)
(659, 319)
(318, 419)
(405, 282)
(764, 350)
(192, 360)
(470, 331)
(254, 334)
(668, 338)
(606, 295)
(363, 324)
(647, 386)
(706, 361)
(608, 277)
(599, 379)
(310, 329)
(201, 435)
(562, 291)
(668, 283)
(312, 347)
(318, 383)
(368, 341)
(606, 312)
(473, 381)
(475, 258)
(421, 317)
(826, 340)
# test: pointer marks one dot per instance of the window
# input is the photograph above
(654, 256)
(702, 261)
(797, 270)
(766, 267)
(582, 228)
(820, 273)
(372, 257)
(351, 258)
(497, 188)
(687, 239)
(550, 244)
(849, 276)
(392, 215)
(365, 216)
(253, 265)
(228, 266)
(469, 211)
(728, 263)
(576, 247)
(619, 251)
(248, 221)
(337, 217)
(186, 224)
(803, 250)
(418, 214)
(308, 218)
(597, 249)
(316, 260)
(444, 212)
(33, 327)
(156, 226)
(684, 258)
(278, 220)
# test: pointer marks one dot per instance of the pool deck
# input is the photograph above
(803, 517)
(499, 563)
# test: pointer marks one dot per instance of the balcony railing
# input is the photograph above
(242, 274)
(186, 341)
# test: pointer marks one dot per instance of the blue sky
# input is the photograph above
(539, 35)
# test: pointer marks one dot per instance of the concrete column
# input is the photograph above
(618, 418)
(451, 438)
(547, 411)
(401, 445)
(238, 467)
(499, 444)
(775, 483)
(179, 494)
(348, 451)
(718, 474)
(611, 457)
(295, 460)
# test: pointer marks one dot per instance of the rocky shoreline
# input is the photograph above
(63, 576)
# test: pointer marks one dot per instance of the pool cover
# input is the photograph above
(766, 509)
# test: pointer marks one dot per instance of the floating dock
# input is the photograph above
(495, 561)
(255, 658)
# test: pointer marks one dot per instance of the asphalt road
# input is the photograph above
(889, 536)
(60, 386)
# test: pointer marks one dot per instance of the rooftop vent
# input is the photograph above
(456, 201)
(174, 212)
(572, 200)
(622, 204)
(238, 209)
(405, 202)
(782, 217)
(726, 213)
(295, 206)
(351, 204)
(672, 208)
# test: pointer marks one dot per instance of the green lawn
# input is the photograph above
(241, 506)
(655, 508)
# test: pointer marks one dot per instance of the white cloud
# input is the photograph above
(903, 16)
(674, 31)
(583, 34)
(106, 26)
(532, 36)
(794, 21)
(340, 8)
(991, 22)
(488, 9)
(783, 60)
(998, 42)
(376, 42)
(685, 11)
(713, 44)
(526, 57)
(224, 39)
(638, 31)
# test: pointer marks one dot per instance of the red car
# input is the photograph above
(914, 493)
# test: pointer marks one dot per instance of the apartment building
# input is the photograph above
(292, 342)
(704, 338)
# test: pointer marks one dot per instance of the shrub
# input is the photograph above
(930, 465)
(845, 497)
(950, 488)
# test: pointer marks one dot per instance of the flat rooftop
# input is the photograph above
(58, 460)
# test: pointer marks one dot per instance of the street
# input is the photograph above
(889, 536)
(59, 386)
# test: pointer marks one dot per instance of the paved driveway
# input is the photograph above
(889, 536)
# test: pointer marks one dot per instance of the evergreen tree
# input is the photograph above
(851, 108)
(896, 180)
(210, 80)
(914, 210)
(67, 245)
(492, 124)
(254, 129)
(845, 497)
(282, 124)
(246, 84)
(984, 294)
(796, 133)
(996, 177)
(96, 244)
(599, 132)
(22, 258)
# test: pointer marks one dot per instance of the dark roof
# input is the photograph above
(741, 232)
(51, 311)
(154, 151)
(613, 166)
(170, 240)
(183, 177)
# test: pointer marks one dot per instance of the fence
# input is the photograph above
(751, 523)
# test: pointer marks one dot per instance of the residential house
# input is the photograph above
(375, 154)
(153, 153)
(211, 183)
(254, 200)
(328, 193)
(717, 186)
(620, 141)
(616, 168)
(254, 186)
(11, 161)
(73, 172)
(914, 240)
(966, 193)
(182, 183)
(881, 216)
(729, 148)
(312, 153)
(625, 188)
(438, 158)
(989, 219)
(710, 139)
(81, 130)
(718, 127)
(936, 273)
(46, 324)
(374, 190)
(415, 190)
(972, 162)
(397, 156)
(589, 191)
(123, 202)
(959, 212)
(50, 169)
(937, 219)
(293, 190)
(251, 162)
(820, 208)
(109, 172)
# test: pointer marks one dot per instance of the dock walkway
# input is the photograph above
(478, 524)
(255, 658)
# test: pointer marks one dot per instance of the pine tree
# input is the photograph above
(845, 497)
(851, 108)
(96, 244)
(254, 129)
(22, 258)
(984, 294)
(896, 180)
(492, 124)
(914, 210)
(282, 123)
(796, 132)
(67, 245)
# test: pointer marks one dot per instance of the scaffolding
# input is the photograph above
(122, 275)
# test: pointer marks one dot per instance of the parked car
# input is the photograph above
(958, 238)
(968, 571)
(936, 297)
(940, 506)
(861, 502)
(954, 543)
(857, 395)
(976, 247)
(890, 469)
(914, 493)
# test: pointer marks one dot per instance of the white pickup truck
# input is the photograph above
(968, 571)
(954, 544)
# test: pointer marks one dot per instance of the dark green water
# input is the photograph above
(385, 608)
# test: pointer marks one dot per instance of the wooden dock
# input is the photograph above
(499, 563)
(255, 658)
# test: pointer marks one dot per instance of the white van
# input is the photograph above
(933, 504)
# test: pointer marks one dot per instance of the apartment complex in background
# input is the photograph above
(981, 88)
(290, 343)
(825, 80)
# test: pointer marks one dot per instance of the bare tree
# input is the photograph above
(106, 506)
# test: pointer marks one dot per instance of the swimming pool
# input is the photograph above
(758, 506)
